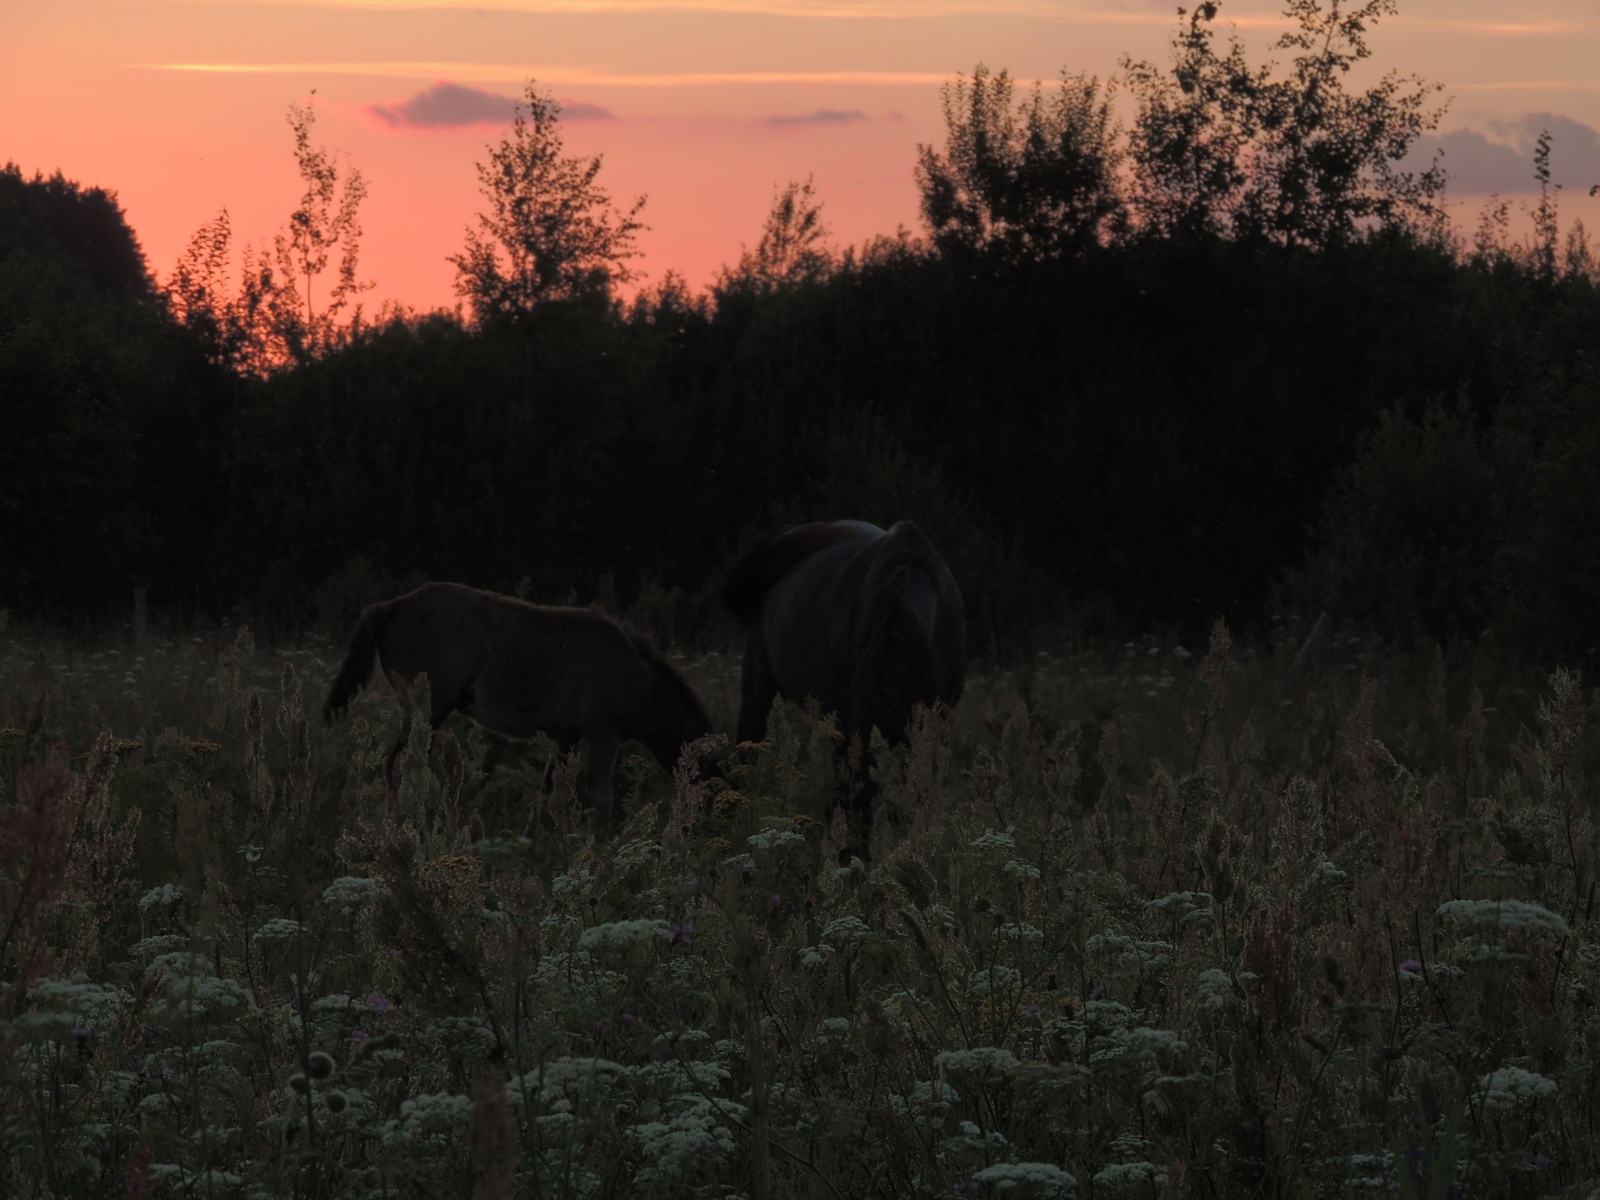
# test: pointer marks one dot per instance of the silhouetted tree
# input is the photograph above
(1222, 147)
(1033, 181)
(326, 222)
(273, 319)
(793, 246)
(551, 233)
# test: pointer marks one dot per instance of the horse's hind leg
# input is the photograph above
(602, 771)
(758, 687)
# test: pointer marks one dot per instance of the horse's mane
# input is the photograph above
(762, 567)
(672, 681)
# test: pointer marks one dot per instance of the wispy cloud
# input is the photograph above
(452, 106)
(1478, 166)
(823, 116)
(901, 9)
(564, 74)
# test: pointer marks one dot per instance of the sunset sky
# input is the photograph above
(703, 105)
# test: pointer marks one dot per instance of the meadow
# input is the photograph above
(1141, 920)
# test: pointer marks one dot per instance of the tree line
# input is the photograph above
(1225, 357)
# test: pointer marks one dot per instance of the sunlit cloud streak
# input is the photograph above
(568, 74)
(1099, 12)
(448, 105)
(823, 116)
(1478, 166)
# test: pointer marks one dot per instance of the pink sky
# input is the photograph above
(179, 106)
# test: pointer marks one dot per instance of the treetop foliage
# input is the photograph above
(1218, 147)
(273, 319)
(550, 232)
(81, 225)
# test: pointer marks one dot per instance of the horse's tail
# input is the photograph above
(762, 567)
(897, 665)
(358, 658)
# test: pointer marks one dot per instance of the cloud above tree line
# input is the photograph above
(1478, 166)
(453, 106)
(823, 116)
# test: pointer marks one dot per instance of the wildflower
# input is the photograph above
(1099, 991)
(81, 1036)
(337, 1102)
(600, 1028)
(690, 885)
(319, 1065)
(628, 1020)
(1537, 1161)
(299, 1083)
(682, 933)
(776, 901)
(358, 1035)
(1411, 966)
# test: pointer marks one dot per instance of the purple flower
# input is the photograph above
(1411, 966)
(379, 1003)
(1537, 1161)
(749, 867)
(358, 1035)
(600, 1028)
(81, 1036)
(690, 885)
(1099, 990)
(1031, 1012)
(627, 1020)
(683, 933)
(147, 1034)
(776, 901)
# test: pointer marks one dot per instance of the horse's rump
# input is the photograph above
(762, 567)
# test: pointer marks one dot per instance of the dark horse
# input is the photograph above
(521, 669)
(868, 623)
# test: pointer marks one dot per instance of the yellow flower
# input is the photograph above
(718, 844)
(8, 731)
(803, 822)
(127, 744)
(204, 746)
(729, 799)
(459, 864)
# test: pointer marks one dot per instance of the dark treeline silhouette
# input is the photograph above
(1133, 378)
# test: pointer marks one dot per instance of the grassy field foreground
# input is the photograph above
(1139, 921)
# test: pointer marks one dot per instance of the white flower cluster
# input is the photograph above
(1519, 915)
(625, 935)
(1028, 1179)
(1509, 1087)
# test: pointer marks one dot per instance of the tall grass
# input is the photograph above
(1140, 921)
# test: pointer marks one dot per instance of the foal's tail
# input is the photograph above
(897, 665)
(358, 658)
